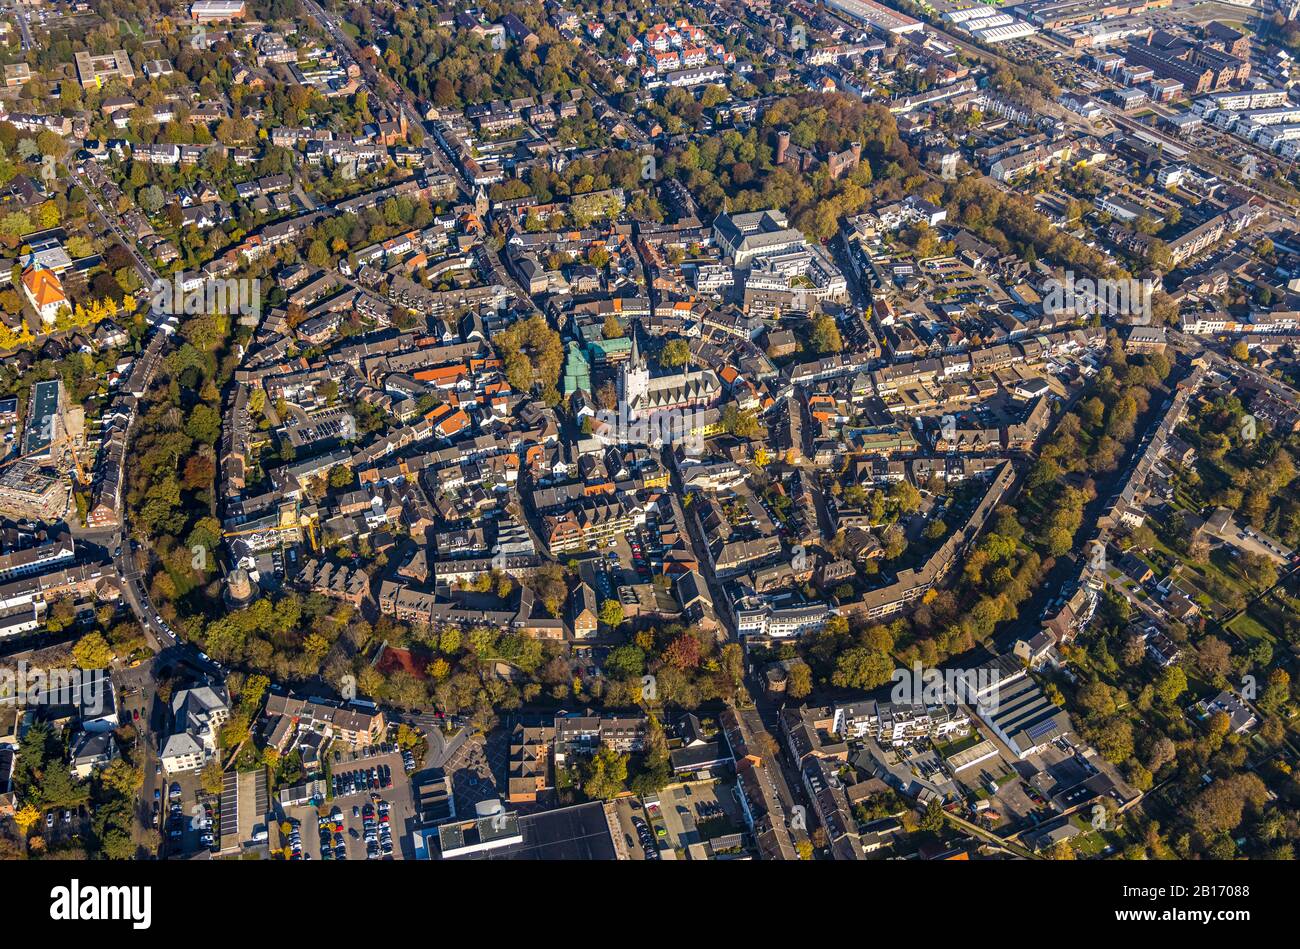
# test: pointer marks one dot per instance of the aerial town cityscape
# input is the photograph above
(697, 430)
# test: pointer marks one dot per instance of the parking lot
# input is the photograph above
(188, 816)
(637, 836)
(686, 814)
(374, 794)
(624, 561)
(695, 813)
(64, 826)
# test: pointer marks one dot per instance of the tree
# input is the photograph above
(122, 778)
(624, 661)
(531, 351)
(117, 845)
(932, 820)
(92, 652)
(1162, 751)
(861, 668)
(1134, 650)
(607, 396)
(825, 336)
(657, 767)
(604, 774)
(1061, 850)
(799, 683)
(738, 422)
(199, 472)
(732, 658)
(1171, 683)
(611, 613)
(152, 199)
(674, 354)
(906, 496)
(1214, 657)
(210, 778)
(1276, 692)
(683, 652)
(26, 818)
(204, 424)
(1220, 807)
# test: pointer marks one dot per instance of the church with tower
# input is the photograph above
(645, 396)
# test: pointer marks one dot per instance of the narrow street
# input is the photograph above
(701, 550)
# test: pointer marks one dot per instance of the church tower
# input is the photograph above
(481, 204)
(634, 382)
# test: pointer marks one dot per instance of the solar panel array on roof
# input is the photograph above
(1024, 717)
(1042, 728)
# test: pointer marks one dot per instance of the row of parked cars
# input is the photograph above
(362, 780)
(708, 810)
(367, 751)
(377, 832)
(202, 823)
(295, 841)
(332, 844)
(648, 843)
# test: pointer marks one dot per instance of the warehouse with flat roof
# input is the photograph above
(1022, 715)
(879, 18)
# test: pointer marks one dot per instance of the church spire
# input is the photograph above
(634, 379)
(636, 349)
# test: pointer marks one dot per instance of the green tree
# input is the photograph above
(739, 422)
(611, 613)
(932, 820)
(92, 651)
(604, 774)
(675, 353)
(861, 668)
(825, 336)
(1171, 683)
(799, 683)
(204, 424)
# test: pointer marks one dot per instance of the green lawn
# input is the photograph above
(1092, 842)
(1247, 627)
